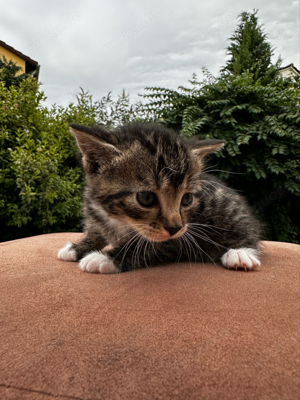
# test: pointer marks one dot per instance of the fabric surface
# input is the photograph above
(184, 331)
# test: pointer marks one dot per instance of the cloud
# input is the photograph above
(110, 45)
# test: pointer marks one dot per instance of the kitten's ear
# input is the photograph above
(203, 147)
(95, 152)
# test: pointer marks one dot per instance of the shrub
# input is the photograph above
(40, 177)
(9, 73)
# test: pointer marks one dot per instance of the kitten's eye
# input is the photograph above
(187, 199)
(146, 199)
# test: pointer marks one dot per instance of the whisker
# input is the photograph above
(209, 226)
(222, 170)
(126, 247)
(206, 191)
(136, 251)
(220, 184)
(206, 238)
(193, 242)
(188, 247)
(197, 244)
(152, 243)
(207, 168)
(178, 258)
(144, 255)
(145, 251)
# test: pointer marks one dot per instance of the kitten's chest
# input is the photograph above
(119, 233)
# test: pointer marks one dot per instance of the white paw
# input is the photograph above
(246, 258)
(67, 253)
(98, 262)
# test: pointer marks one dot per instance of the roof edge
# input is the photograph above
(292, 66)
(18, 53)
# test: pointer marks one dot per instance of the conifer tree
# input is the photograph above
(250, 50)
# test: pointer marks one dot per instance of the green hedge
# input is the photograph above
(40, 175)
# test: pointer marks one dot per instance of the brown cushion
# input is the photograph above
(187, 331)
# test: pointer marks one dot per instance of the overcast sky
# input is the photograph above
(110, 45)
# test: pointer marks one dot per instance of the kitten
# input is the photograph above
(147, 201)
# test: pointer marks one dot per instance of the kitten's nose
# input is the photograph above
(173, 229)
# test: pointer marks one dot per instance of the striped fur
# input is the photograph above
(147, 158)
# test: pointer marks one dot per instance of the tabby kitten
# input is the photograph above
(148, 201)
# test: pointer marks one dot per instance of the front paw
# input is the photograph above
(67, 253)
(98, 262)
(241, 258)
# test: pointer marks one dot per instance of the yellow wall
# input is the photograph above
(11, 56)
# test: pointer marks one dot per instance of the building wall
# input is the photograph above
(288, 73)
(11, 56)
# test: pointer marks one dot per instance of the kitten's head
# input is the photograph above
(144, 175)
